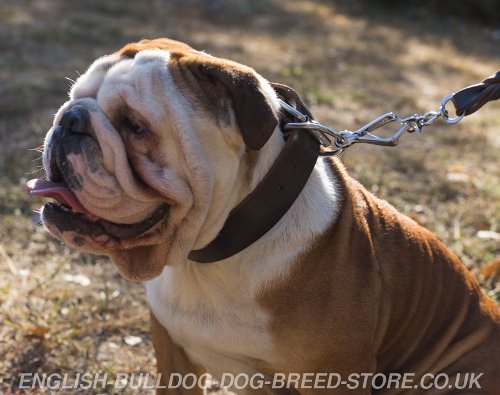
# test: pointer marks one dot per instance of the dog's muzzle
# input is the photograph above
(74, 135)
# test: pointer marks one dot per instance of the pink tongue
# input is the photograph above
(58, 191)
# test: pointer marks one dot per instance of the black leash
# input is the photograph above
(468, 100)
(275, 194)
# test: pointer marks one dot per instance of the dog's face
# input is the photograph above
(155, 146)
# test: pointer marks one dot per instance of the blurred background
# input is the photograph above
(62, 311)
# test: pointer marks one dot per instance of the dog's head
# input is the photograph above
(156, 145)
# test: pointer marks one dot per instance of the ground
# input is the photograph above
(62, 311)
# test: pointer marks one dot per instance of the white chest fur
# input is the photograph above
(211, 310)
(212, 314)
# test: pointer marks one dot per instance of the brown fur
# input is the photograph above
(217, 81)
(375, 293)
(170, 358)
(379, 293)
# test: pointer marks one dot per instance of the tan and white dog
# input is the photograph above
(156, 146)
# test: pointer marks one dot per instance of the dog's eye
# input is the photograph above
(133, 127)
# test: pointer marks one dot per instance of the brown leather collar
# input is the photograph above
(273, 196)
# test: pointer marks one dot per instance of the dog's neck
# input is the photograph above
(313, 212)
(310, 215)
(265, 205)
(216, 305)
(254, 166)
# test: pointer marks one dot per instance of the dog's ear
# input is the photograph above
(221, 80)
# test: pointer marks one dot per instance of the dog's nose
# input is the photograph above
(75, 120)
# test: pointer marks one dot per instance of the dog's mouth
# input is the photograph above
(66, 213)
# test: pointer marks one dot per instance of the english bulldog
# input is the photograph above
(156, 148)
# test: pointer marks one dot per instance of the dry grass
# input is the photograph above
(351, 64)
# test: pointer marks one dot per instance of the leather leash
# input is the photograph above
(472, 98)
(275, 194)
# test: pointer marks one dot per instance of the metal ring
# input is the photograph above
(333, 152)
(444, 111)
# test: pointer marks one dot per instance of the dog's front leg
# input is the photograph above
(171, 360)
